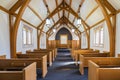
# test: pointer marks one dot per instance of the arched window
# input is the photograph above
(99, 36)
(27, 35)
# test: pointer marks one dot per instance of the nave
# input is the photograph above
(64, 68)
(31, 31)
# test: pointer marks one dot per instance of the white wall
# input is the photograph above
(4, 34)
(20, 46)
(43, 41)
(106, 38)
(118, 34)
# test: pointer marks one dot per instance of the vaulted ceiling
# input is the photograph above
(62, 12)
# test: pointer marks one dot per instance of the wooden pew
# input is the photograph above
(50, 50)
(104, 69)
(42, 59)
(118, 55)
(46, 50)
(75, 51)
(77, 57)
(85, 57)
(2, 56)
(19, 53)
(54, 50)
(28, 51)
(17, 71)
(49, 55)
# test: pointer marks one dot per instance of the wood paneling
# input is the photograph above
(74, 44)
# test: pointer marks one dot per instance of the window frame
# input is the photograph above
(99, 30)
(28, 32)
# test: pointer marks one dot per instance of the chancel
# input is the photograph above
(59, 40)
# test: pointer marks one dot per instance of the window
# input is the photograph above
(98, 36)
(63, 39)
(27, 35)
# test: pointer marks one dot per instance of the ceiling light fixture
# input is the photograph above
(73, 30)
(79, 21)
(48, 22)
(54, 30)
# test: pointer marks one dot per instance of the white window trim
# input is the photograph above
(98, 29)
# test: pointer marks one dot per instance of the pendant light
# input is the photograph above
(54, 30)
(79, 20)
(48, 23)
(73, 30)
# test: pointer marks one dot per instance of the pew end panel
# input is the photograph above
(92, 71)
(30, 72)
(44, 66)
(104, 71)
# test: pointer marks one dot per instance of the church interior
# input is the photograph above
(59, 39)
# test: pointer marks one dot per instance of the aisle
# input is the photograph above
(63, 68)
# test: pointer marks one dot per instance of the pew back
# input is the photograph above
(42, 61)
(26, 73)
(49, 55)
(46, 50)
(2, 56)
(77, 55)
(85, 57)
(104, 69)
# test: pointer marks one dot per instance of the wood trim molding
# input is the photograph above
(56, 1)
(97, 23)
(16, 6)
(110, 27)
(70, 6)
(14, 29)
(5, 10)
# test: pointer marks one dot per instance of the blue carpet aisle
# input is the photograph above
(64, 68)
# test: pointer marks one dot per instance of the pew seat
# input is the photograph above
(16, 71)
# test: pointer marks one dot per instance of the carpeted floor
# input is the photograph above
(63, 68)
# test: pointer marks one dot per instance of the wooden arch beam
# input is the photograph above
(69, 9)
(72, 24)
(52, 13)
(14, 28)
(111, 28)
(16, 6)
(54, 25)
